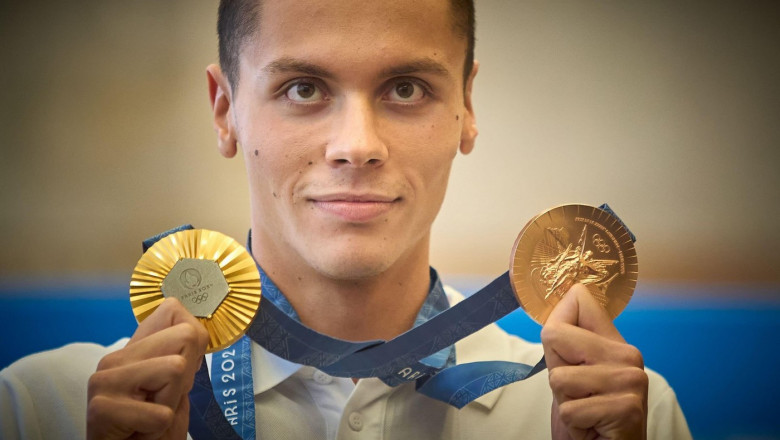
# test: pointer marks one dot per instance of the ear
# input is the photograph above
(469, 131)
(221, 100)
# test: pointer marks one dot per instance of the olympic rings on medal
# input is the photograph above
(600, 244)
(200, 298)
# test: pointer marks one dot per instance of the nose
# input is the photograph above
(355, 141)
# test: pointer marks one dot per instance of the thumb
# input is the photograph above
(579, 308)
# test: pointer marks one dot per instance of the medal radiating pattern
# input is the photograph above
(213, 276)
(573, 244)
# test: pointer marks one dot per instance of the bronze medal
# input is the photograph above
(212, 275)
(573, 244)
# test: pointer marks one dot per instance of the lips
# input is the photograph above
(355, 208)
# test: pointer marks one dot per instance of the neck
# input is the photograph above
(378, 307)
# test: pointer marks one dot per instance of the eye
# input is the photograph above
(406, 91)
(304, 91)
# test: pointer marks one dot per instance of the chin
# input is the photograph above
(352, 265)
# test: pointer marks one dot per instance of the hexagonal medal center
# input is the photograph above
(198, 284)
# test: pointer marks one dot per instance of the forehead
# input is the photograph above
(355, 32)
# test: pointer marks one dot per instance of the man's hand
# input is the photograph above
(598, 381)
(141, 391)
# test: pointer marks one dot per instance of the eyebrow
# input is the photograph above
(288, 65)
(423, 65)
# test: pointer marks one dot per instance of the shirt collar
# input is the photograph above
(269, 370)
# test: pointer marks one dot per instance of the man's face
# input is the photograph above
(349, 114)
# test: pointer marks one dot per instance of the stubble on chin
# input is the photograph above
(354, 267)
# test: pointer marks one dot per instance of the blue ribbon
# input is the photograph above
(231, 380)
(424, 354)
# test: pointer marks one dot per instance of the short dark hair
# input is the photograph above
(238, 21)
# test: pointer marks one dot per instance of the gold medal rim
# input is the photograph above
(235, 313)
(618, 295)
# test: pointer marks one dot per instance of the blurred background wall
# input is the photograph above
(667, 110)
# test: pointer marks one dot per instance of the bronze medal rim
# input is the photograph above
(235, 313)
(531, 300)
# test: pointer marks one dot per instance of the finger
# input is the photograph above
(160, 380)
(568, 383)
(566, 344)
(578, 307)
(183, 339)
(181, 420)
(558, 430)
(109, 418)
(620, 416)
(168, 314)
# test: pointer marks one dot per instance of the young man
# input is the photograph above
(349, 114)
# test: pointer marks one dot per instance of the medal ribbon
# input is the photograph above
(424, 354)
(231, 380)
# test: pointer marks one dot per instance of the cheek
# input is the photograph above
(266, 177)
(432, 170)
(435, 151)
(279, 161)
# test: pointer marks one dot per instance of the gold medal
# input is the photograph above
(573, 244)
(212, 275)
